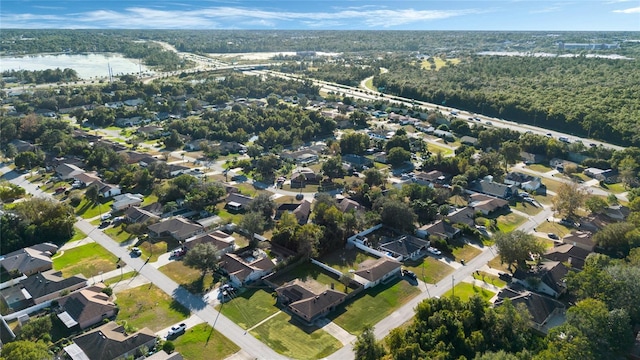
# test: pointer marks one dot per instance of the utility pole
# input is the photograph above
(452, 287)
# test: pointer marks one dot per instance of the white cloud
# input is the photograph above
(635, 10)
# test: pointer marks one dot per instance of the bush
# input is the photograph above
(75, 200)
(108, 290)
(168, 347)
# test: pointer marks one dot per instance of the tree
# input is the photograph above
(36, 329)
(354, 143)
(397, 214)
(398, 156)
(27, 160)
(92, 193)
(10, 151)
(510, 151)
(628, 168)
(332, 168)
(618, 236)
(373, 177)
(366, 347)
(26, 350)
(263, 205)
(517, 247)
(173, 141)
(595, 204)
(203, 257)
(168, 346)
(569, 198)
(253, 223)
(308, 238)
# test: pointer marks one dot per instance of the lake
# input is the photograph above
(86, 65)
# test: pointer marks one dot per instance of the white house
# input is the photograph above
(124, 201)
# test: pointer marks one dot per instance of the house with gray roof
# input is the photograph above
(567, 253)
(247, 267)
(487, 204)
(308, 304)
(237, 201)
(68, 171)
(489, 187)
(546, 313)
(178, 228)
(137, 215)
(30, 260)
(439, 228)
(301, 211)
(548, 278)
(86, 307)
(405, 247)
(111, 341)
(373, 272)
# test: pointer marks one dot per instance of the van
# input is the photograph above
(563, 139)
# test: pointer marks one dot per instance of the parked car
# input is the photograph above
(567, 222)
(409, 274)
(135, 251)
(552, 236)
(177, 329)
(179, 252)
(434, 251)
(106, 216)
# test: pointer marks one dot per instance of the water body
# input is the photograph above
(86, 65)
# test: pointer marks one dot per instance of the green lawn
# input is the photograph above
(296, 341)
(148, 306)
(495, 264)
(123, 277)
(373, 305)
(465, 290)
(433, 270)
(118, 234)
(226, 215)
(617, 188)
(305, 272)
(552, 185)
(369, 85)
(88, 209)
(433, 148)
(344, 260)
(202, 342)
(188, 277)
(466, 252)
(489, 279)
(552, 227)
(77, 235)
(509, 222)
(88, 260)
(540, 168)
(149, 199)
(527, 208)
(249, 307)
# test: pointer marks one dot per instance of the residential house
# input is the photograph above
(431, 177)
(581, 239)
(68, 171)
(137, 215)
(85, 179)
(111, 342)
(226, 147)
(302, 157)
(178, 228)
(546, 313)
(347, 205)
(567, 253)
(304, 176)
(41, 287)
(307, 303)
(531, 158)
(439, 228)
(301, 211)
(489, 187)
(487, 204)
(210, 222)
(444, 134)
(373, 272)
(195, 145)
(547, 278)
(608, 176)
(86, 307)
(405, 247)
(561, 164)
(108, 190)
(133, 157)
(132, 121)
(357, 161)
(125, 201)
(468, 140)
(29, 260)
(617, 212)
(247, 267)
(465, 215)
(380, 134)
(222, 241)
(237, 201)
(306, 159)
(380, 157)
(524, 181)
(22, 146)
(175, 170)
(134, 102)
(422, 126)
(161, 355)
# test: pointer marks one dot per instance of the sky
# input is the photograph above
(495, 15)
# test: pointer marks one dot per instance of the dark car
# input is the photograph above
(410, 274)
(552, 236)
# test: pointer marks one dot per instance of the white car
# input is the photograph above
(177, 329)
(434, 251)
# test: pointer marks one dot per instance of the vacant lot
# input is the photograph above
(429, 270)
(189, 278)
(465, 290)
(552, 227)
(287, 337)
(489, 279)
(88, 260)
(527, 208)
(249, 307)
(202, 342)
(509, 222)
(88, 209)
(305, 272)
(148, 306)
(346, 259)
(373, 305)
(466, 252)
(118, 234)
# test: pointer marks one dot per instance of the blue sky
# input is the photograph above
(562, 15)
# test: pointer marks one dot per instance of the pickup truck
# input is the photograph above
(177, 329)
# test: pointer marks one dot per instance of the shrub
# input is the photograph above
(168, 347)
(75, 200)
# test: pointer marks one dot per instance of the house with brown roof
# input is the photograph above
(309, 304)
(465, 215)
(301, 211)
(139, 215)
(247, 267)
(304, 176)
(373, 272)
(489, 187)
(111, 341)
(573, 255)
(487, 204)
(222, 241)
(347, 205)
(546, 313)
(547, 278)
(30, 260)
(581, 239)
(405, 247)
(86, 307)
(237, 201)
(40, 287)
(68, 171)
(178, 228)
(439, 228)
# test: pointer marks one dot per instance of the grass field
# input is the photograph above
(433, 148)
(489, 279)
(118, 234)
(509, 222)
(539, 168)
(295, 341)
(88, 260)
(117, 279)
(617, 188)
(154, 250)
(433, 270)
(552, 227)
(369, 84)
(87, 209)
(344, 260)
(305, 272)
(527, 208)
(249, 307)
(495, 264)
(373, 305)
(465, 290)
(187, 277)
(466, 252)
(202, 342)
(148, 306)
(77, 235)
(439, 63)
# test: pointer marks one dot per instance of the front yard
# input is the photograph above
(509, 222)
(89, 260)
(148, 306)
(249, 307)
(373, 305)
(202, 342)
(88, 209)
(527, 208)
(465, 290)
(189, 278)
(344, 260)
(429, 270)
(284, 335)
(305, 272)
